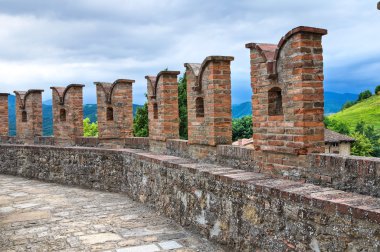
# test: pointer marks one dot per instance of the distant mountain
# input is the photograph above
(242, 109)
(89, 110)
(335, 101)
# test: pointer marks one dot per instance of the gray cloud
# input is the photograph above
(57, 42)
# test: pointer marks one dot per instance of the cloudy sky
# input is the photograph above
(47, 43)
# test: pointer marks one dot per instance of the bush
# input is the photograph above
(364, 95)
(362, 146)
(377, 90)
(140, 122)
(90, 129)
(242, 128)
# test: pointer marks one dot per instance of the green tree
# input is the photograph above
(348, 104)
(182, 106)
(338, 126)
(362, 146)
(242, 128)
(377, 90)
(90, 129)
(364, 95)
(370, 133)
(141, 121)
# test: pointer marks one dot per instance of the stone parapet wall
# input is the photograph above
(245, 211)
(348, 173)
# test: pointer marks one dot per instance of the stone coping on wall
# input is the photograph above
(332, 201)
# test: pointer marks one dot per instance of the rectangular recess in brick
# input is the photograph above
(287, 101)
(163, 106)
(68, 112)
(29, 114)
(115, 109)
(4, 121)
(209, 101)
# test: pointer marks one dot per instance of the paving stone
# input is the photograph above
(170, 245)
(51, 217)
(143, 248)
(99, 238)
(28, 216)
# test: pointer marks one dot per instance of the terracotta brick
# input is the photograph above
(29, 114)
(115, 109)
(163, 106)
(287, 80)
(4, 126)
(68, 112)
(209, 101)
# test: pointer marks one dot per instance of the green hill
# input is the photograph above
(367, 111)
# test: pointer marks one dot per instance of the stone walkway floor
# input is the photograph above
(37, 216)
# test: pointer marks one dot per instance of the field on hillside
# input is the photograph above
(367, 111)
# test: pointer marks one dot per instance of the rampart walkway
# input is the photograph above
(37, 216)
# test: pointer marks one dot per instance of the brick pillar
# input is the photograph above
(209, 101)
(288, 102)
(4, 121)
(115, 109)
(68, 112)
(163, 106)
(29, 114)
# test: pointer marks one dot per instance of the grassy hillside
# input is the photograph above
(367, 111)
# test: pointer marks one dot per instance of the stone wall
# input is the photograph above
(68, 113)
(4, 126)
(209, 101)
(348, 173)
(115, 111)
(245, 211)
(28, 114)
(287, 83)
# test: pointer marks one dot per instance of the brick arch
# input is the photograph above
(62, 91)
(108, 89)
(23, 95)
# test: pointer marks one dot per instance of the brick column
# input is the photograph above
(163, 106)
(115, 109)
(68, 112)
(288, 102)
(209, 101)
(29, 114)
(4, 121)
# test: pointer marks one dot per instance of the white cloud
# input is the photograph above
(82, 41)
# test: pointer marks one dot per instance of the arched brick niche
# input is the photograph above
(4, 121)
(115, 109)
(29, 114)
(68, 112)
(209, 101)
(288, 102)
(163, 106)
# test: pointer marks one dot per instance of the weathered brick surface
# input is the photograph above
(209, 101)
(68, 113)
(244, 210)
(115, 114)
(4, 127)
(163, 106)
(28, 114)
(287, 101)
